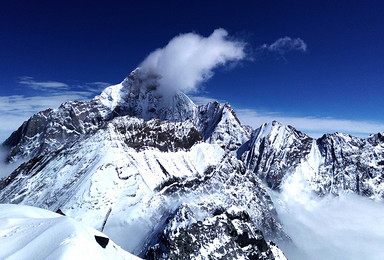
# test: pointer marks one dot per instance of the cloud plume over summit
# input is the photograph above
(189, 59)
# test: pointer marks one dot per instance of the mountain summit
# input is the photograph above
(140, 95)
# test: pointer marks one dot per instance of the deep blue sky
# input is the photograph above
(341, 75)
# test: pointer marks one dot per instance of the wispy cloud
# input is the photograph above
(313, 126)
(94, 87)
(202, 100)
(285, 44)
(59, 87)
(42, 85)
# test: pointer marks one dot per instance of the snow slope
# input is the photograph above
(32, 233)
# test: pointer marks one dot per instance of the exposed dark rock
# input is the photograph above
(102, 241)
(275, 150)
(163, 135)
(60, 212)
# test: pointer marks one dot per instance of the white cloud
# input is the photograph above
(188, 59)
(348, 226)
(286, 44)
(42, 85)
(94, 87)
(202, 100)
(313, 126)
(59, 87)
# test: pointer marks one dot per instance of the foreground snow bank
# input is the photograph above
(33, 233)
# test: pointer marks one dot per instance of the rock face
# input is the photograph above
(275, 150)
(333, 163)
(220, 125)
(49, 130)
(351, 164)
(139, 96)
(225, 235)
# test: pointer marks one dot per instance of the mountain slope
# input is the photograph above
(142, 170)
(274, 150)
(225, 235)
(33, 233)
(137, 96)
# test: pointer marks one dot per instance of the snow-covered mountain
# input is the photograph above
(175, 180)
(332, 164)
(137, 96)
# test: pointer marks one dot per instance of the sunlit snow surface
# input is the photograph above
(32, 233)
(344, 227)
(102, 173)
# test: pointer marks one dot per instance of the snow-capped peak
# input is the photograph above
(272, 148)
(131, 85)
(141, 95)
(110, 97)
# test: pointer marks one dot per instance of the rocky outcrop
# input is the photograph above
(49, 130)
(226, 234)
(275, 150)
(349, 163)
